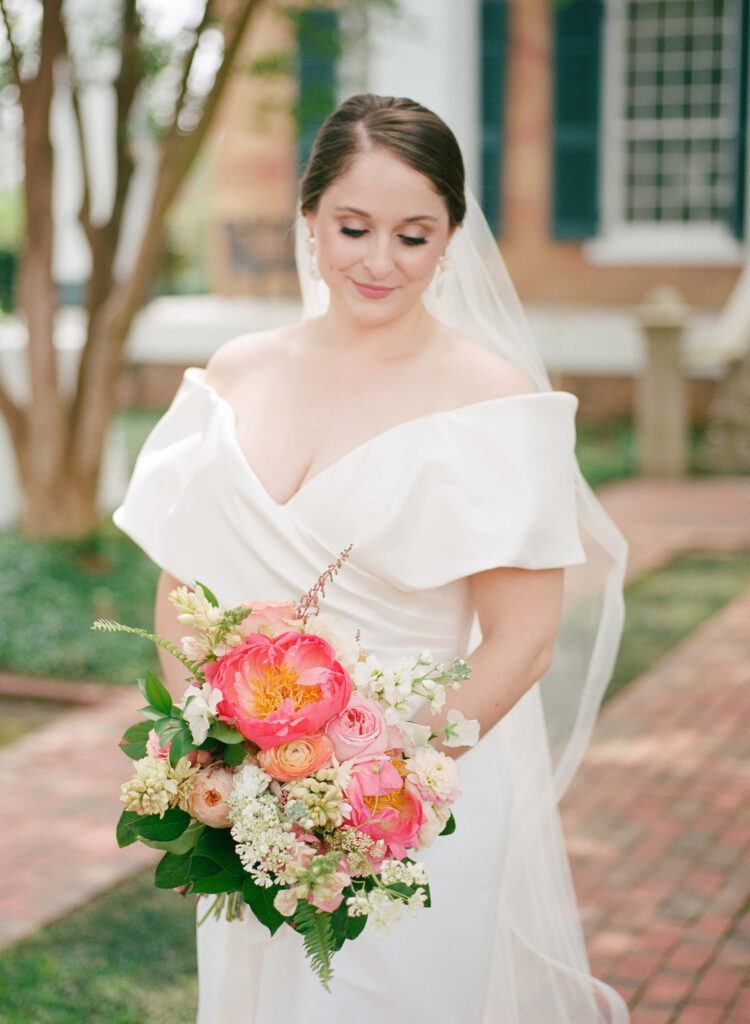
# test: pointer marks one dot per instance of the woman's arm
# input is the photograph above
(519, 614)
(174, 674)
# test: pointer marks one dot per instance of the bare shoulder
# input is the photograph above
(479, 374)
(259, 352)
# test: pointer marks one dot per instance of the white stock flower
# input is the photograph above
(460, 731)
(338, 636)
(199, 710)
(414, 736)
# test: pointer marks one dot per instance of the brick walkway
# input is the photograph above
(658, 818)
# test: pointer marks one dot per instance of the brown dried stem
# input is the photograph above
(308, 604)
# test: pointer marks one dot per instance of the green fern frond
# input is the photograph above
(108, 626)
(315, 928)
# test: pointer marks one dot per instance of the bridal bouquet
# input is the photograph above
(290, 777)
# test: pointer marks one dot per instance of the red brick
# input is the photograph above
(667, 988)
(720, 984)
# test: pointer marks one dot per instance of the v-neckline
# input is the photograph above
(358, 448)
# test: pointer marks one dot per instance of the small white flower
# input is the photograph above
(199, 710)
(250, 781)
(425, 658)
(460, 731)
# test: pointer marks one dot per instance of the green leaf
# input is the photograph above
(133, 742)
(234, 755)
(156, 694)
(171, 826)
(221, 881)
(225, 733)
(125, 832)
(210, 596)
(450, 826)
(355, 926)
(167, 729)
(182, 744)
(260, 900)
(174, 870)
(218, 845)
(152, 713)
(183, 844)
(315, 928)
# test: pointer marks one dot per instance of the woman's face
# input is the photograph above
(379, 231)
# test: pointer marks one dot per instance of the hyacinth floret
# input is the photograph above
(316, 802)
(156, 786)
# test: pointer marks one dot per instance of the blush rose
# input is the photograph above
(359, 730)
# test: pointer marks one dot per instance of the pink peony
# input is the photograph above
(268, 613)
(206, 800)
(359, 730)
(155, 749)
(297, 758)
(282, 689)
(383, 805)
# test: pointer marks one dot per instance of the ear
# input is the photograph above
(310, 220)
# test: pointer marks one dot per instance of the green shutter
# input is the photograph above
(739, 207)
(493, 65)
(575, 138)
(318, 50)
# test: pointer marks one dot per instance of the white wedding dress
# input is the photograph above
(424, 505)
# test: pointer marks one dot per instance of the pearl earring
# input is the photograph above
(443, 264)
(312, 252)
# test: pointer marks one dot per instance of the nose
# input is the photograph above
(378, 259)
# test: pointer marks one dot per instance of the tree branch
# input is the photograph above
(15, 57)
(13, 414)
(208, 12)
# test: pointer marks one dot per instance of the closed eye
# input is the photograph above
(411, 240)
(353, 232)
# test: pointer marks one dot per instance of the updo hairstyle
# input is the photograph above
(406, 129)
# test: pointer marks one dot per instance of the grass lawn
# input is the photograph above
(667, 604)
(51, 592)
(127, 957)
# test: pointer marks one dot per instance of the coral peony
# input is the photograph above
(297, 758)
(279, 690)
(359, 729)
(384, 806)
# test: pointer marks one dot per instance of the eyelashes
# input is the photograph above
(406, 239)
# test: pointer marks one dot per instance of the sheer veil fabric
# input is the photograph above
(539, 972)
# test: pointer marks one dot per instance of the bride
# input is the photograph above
(408, 415)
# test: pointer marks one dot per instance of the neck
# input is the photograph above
(399, 338)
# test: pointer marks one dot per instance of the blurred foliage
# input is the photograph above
(665, 605)
(50, 593)
(127, 957)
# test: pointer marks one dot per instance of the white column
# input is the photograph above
(429, 51)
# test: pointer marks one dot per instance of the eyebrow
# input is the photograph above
(363, 213)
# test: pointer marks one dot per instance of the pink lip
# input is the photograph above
(372, 291)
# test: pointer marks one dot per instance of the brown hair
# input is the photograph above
(408, 130)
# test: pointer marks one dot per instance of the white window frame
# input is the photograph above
(644, 244)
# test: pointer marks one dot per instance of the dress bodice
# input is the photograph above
(424, 504)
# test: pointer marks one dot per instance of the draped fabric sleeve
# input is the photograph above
(152, 512)
(492, 486)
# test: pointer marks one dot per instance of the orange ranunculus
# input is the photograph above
(297, 758)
